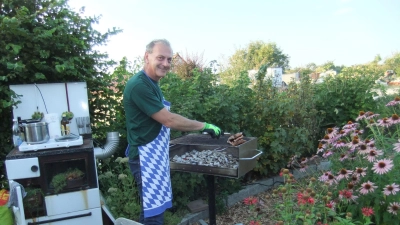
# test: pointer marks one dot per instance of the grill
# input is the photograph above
(246, 153)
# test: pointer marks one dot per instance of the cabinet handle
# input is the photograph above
(34, 168)
(60, 219)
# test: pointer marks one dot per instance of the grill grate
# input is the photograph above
(203, 139)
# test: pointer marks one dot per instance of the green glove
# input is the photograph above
(212, 130)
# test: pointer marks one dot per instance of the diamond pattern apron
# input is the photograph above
(155, 172)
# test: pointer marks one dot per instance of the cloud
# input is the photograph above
(343, 11)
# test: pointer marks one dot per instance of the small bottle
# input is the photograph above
(64, 125)
(15, 129)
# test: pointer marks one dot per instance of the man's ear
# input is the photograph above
(146, 57)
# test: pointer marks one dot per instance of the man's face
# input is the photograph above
(158, 63)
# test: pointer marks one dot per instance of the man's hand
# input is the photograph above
(212, 130)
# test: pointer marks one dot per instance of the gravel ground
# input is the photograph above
(241, 213)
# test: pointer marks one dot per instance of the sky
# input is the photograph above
(347, 32)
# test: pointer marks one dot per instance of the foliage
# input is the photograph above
(119, 188)
(362, 182)
(343, 95)
(184, 66)
(44, 41)
(306, 203)
(286, 122)
(59, 181)
(253, 56)
(393, 63)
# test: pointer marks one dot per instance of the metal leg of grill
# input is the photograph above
(211, 199)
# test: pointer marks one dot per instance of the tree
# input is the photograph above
(253, 56)
(44, 41)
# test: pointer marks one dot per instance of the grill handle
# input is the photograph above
(258, 154)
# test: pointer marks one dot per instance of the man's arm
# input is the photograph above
(176, 121)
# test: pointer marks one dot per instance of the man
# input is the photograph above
(148, 122)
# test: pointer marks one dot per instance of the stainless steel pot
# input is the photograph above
(36, 133)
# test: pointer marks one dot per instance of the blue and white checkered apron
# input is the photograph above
(155, 171)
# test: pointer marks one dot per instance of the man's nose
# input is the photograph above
(166, 62)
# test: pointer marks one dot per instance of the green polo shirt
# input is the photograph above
(142, 98)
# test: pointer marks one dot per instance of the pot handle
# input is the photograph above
(258, 154)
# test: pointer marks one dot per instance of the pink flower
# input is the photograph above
(385, 122)
(343, 157)
(382, 166)
(395, 119)
(394, 102)
(347, 195)
(391, 189)
(331, 205)
(394, 207)
(367, 187)
(343, 173)
(303, 168)
(327, 153)
(250, 201)
(367, 211)
(360, 172)
(254, 223)
(397, 147)
(372, 154)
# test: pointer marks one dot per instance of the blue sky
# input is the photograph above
(346, 32)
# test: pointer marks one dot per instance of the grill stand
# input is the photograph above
(211, 199)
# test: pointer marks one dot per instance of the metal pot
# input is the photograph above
(36, 133)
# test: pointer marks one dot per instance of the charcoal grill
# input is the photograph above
(246, 153)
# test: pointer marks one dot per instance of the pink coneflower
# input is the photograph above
(324, 177)
(396, 147)
(382, 166)
(367, 211)
(367, 187)
(254, 222)
(332, 132)
(394, 207)
(327, 154)
(394, 102)
(343, 173)
(303, 160)
(395, 119)
(354, 179)
(321, 147)
(347, 195)
(372, 154)
(370, 115)
(363, 149)
(357, 133)
(331, 205)
(391, 189)
(350, 126)
(384, 122)
(360, 172)
(303, 168)
(343, 157)
(250, 201)
(339, 144)
(361, 116)
(328, 177)
(355, 142)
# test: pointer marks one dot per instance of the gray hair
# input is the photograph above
(150, 46)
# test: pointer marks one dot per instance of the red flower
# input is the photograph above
(250, 201)
(254, 223)
(311, 201)
(367, 211)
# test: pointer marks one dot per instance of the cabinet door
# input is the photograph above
(22, 168)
